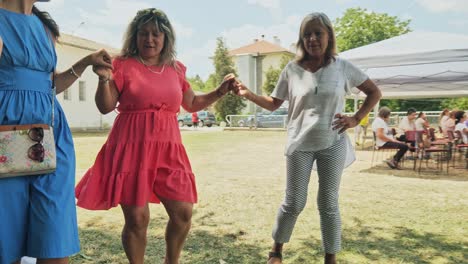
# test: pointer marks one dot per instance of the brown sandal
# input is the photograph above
(273, 254)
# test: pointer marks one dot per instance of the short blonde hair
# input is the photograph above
(323, 19)
(162, 23)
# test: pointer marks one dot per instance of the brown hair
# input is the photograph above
(443, 113)
(323, 19)
(48, 22)
(458, 116)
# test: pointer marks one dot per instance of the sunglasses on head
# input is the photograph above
(36, 152)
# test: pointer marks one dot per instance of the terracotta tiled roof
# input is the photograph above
(74, 41)
(260, 46)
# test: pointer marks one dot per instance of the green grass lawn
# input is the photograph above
(387, 218)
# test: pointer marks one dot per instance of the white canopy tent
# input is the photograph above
(416, 65)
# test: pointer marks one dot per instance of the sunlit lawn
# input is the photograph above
(387, 218)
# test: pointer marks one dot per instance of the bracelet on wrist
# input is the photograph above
(73, 72)
(104, 80)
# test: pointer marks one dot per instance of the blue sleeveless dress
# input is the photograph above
(38, 213)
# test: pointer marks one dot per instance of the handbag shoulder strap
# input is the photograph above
(52, 42)
(53, 99)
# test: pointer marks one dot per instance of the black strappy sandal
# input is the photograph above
(273, 254)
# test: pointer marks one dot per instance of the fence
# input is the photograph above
(280, 121)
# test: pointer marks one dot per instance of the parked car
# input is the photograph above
(275, 119)
(205, 118)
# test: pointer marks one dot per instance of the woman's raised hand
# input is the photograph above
(241, 90)
(99, 58)
(228, 84)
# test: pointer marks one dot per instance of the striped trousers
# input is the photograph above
(330, 165)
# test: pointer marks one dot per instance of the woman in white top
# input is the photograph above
(449, 123)
(315, 84)
(443, 118)
(460, 118)
(384, 137)
(421, 122)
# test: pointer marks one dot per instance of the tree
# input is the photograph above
(197, 83)
(229, 104)
(272, 74)
(358, 27)
(271, 78)
(428, 104)
(210, 83)
(455, 103)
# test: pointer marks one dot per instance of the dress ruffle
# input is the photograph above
(142, 161)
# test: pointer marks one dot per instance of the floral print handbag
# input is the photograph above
(26, 150)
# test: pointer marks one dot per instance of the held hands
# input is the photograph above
(227, 85)
(343, 122)
(101, 62)
(100, 58)
(230, 83)
(103, 72)
(241, 90)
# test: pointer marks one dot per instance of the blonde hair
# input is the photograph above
(162, 23)
(324, 21)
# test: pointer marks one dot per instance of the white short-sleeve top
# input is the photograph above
(314, 99)
(459, 127)
(380, 123)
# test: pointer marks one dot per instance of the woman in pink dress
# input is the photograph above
(143, 160)
(195, 119)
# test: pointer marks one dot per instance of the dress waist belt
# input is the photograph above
(24, 79)
(155, 124)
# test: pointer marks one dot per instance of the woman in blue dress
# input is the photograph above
(38, 213)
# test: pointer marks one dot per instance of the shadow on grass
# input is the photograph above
(204, 247)
(363, 244)
(103, 245)
(428, 172)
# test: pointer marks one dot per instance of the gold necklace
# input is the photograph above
(148, 67)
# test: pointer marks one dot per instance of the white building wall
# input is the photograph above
(249, 70)
(271, 60)
(81, 114)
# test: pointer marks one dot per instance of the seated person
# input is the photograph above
(448, 124)
(444, 116)
(407, 123)
(384, 137)
(460, 118)
(421, 122)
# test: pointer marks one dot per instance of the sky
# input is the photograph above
(199, 23)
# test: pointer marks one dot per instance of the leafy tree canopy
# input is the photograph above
(427, 104)
(455, 103)
(197, 83)
(272, 74)
(358, 27)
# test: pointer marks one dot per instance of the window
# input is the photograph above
(67, 95)
(82, 90)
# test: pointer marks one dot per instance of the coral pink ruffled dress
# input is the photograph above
(143, 158)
